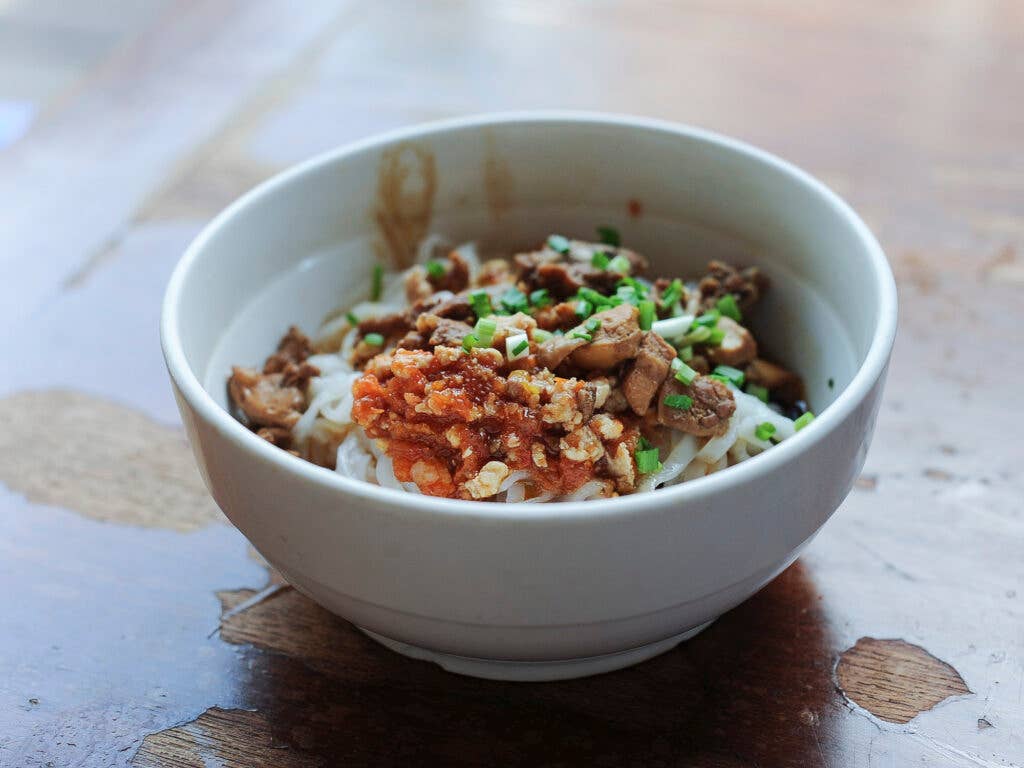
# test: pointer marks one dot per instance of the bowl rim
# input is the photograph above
(869, 372)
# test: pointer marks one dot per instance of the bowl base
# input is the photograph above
(536, 671)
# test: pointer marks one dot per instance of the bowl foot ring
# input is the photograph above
(536, 671)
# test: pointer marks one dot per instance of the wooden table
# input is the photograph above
(898, 639)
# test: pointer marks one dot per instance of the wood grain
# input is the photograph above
(895, 680)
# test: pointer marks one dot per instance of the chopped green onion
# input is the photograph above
(684, 374)
(513, 300)
(374, 339)
(637, 285)
(803, 421)
(518, 349)
(559, 243)
(592, 324)
(435, 268)
(619, 264)
(469, 341)
(599, 260)
(719, 377)
(352, 319)
(584, 308)
(480, 301)
(581, 335)
(589, 294)
(682, 402)
(716, 336)
(672, 327)
(729, 308)
(646, 315)
(540, 297)
(377, 288)
(485, 329)
(627, 294)
(735, 375)
(540, 335)
(709, 319)
(761, 393)
(686, 354)
(609, 236)
(673, 293)
(646, 458)
(698, 335)
(764, 430)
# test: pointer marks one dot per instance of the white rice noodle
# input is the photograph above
(354, 458)
(329, 363)
(678, 459)
(715, 448)
(516, 478)
(592, 489)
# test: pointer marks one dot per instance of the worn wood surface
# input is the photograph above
(898, 638)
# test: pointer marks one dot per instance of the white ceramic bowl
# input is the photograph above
(514, 591)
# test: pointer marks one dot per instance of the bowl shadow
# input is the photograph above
(754, 689)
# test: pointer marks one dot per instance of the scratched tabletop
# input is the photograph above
(137, 627)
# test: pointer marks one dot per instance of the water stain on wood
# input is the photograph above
(406, 186)
(102, 460)
(226, 738)
(895, 680)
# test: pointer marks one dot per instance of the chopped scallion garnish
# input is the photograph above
(709, 319)
(686, 354)
(584, 308)
(485, 329)
(672, 294)
(698, 335)
(559, 244)
(646, 315)
(619, 264)
(684, 374)
(729, 308)
(592, 324)
(735, 375)
(599, 260)
(719, 377)
(646, 458)
(374, 339)
(469, 341)
(540, 297)
(803, 421)
(435, 268)
(609, 236)
(513, 300)
(716, 336)
(764, 430)
(761, 393)
(480, 301)
(581, 335)
(352, 319)
(682, 402)
(518, 349)
(377, 287)
(540, 335)
(589, 294)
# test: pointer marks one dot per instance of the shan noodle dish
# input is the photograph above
(562, 374)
